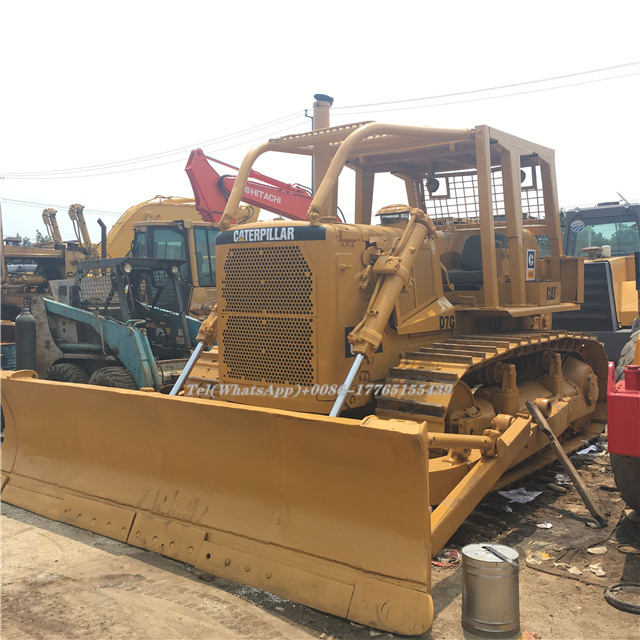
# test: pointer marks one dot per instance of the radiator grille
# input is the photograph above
(271, 350)
(274, 280)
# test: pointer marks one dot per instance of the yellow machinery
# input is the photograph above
(173, 228)
(57, 260)
(608, 235)
(159, 208)
(192, 241)
(363, 374)
(46, 261)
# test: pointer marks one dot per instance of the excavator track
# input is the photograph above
(433, 383)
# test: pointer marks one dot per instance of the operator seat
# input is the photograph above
(468, 276)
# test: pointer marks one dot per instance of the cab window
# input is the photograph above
(139, 248)
(205, 240)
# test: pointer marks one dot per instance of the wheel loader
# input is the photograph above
(608, 235)
(367, 389)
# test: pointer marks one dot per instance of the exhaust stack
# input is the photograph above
(321, 155)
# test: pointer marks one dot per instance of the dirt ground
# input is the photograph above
(59, 582)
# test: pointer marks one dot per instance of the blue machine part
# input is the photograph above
(129, 341)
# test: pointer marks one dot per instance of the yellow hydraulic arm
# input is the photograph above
(207, 336)
(51, 224)
(393, 275)
(76, 213)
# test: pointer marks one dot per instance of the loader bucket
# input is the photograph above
(331, 513)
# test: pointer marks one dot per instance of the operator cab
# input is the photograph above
(611, 226)
(191, 242)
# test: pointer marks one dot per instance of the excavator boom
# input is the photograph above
(212, 190)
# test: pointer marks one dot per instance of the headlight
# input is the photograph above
(174, 270)
(126, 267)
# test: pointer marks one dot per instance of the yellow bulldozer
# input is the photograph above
(365, 388)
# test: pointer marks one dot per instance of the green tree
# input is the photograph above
(42, 238)
(625, 239)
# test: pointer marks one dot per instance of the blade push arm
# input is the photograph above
(394, 273)
(207, 336)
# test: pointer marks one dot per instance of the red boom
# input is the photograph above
(211, 191)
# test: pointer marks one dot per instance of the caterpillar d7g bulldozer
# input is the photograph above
(363, 375)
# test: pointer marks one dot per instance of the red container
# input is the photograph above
(623, 412)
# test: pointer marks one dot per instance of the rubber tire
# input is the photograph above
(67, 372)
(610, 595)
(626, 473)
(626, 355)
(117, 377)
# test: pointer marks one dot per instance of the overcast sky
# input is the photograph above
(96, 87)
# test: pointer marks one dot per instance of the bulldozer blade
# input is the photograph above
(331, 513)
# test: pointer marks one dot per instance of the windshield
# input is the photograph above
(622, 235)
(169, 243)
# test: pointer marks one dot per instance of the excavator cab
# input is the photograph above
(193, 242)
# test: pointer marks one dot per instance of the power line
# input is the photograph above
(95, 170)
(179, 150)
(506, 95)
(26, 203)
(504, 86)
(130, 169)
